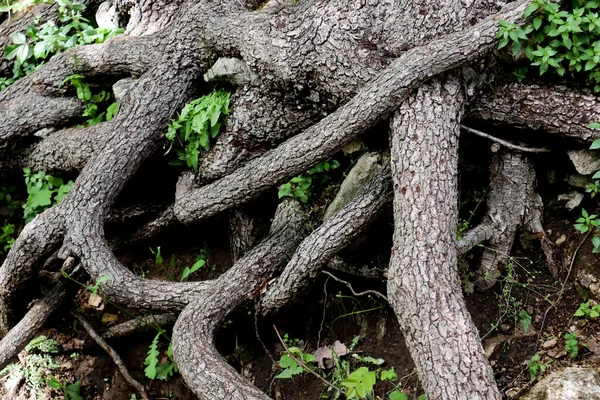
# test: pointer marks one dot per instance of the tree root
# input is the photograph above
(512, 203)
(115, 357)
(423, 285)
(327, 240)
(139, 325)
(202, 367)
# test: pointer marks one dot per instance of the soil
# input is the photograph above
(329, 312)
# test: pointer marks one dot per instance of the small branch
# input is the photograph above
(506, 143)
(366, 292)
(325, 381)
(116, 358)
(139, 324)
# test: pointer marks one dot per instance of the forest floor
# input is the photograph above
(528, 312)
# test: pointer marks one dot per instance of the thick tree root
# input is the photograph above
(205, 371)
(423, 284)
(242, 233)
(512, 203)
(325, 241)
(139, 325)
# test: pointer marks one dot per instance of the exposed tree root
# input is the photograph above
(372, 104)
(115, 357)
(512, 203)
(555, 109)
(242, 233)
(332, 236)
(139, 325)
(423, 284)
(205, 371)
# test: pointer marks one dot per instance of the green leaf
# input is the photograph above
(18, 38)
(596, 243)
(111, 111)
(595, 145)
(22, 53)
(388, 375)
(524, 320)
(152, 359)
(397, 395)
(285, 190)
(53, 383)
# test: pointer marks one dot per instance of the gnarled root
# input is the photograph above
(203, 368)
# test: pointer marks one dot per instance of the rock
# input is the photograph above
(492, 344)
(512, 393)
(573, 199)
(232, 70)
(560, 240)
(365, 168)
(548, 344)
(121, 87)
(107, 15)
(586, 162)
(589, 282)
(579, 181)
(572, 383)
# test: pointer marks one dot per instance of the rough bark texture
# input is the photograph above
(423, 284)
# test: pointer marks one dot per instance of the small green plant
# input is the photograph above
(99, 107)
(563, 37)
(588, 311)
(304, 186)
(572, 344)
(198, 123)
(535, 366)
(200, 262)
(156, 369)
(43, 191)
(30, 49)
(70, 391)
(290, 366)
(43, 345)
(587, 222)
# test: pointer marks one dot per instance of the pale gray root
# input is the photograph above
(372, 104)
(423, 284)
(204, 370)
(556, 109)
(242, 233)
(324, 242)
(473, 237)
(141, 324)
(261, 118)
(66, 150)
(510, 205)
(22, 333)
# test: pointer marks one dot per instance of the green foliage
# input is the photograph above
(572, 344)
(8, 229)
(98, 106)
(200, 262)
(304, 186)
(198, 123)
(524, 320)
(156, 369)
(187, 271)
(94, 289)
(30, 49)
(397, 395)
(360, 383)
(43, 191)
(588, 311)
(43, 345)
(70, 391)
(535, 366)
(289, 365)
(563, 37)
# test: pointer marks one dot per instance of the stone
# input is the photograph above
(107, 15)
(573, 199)
(586, 162)
(590, 282)
(578, 181)
(572, 383)
(550, 343)
(121, 87)
(232, 70)
(365, 168)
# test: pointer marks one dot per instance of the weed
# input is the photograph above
(572, 344)
(30, 49)
(588, 311)
(154, 368)
(70, 391)
(290, 366)
(98, 107)
(306, 185)
(43, 191)
(198, 123)
(536, 367)
(43, 345)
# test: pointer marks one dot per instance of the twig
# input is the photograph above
(366, 292)
(505, 142)
(113, 354)
(324, 309)
(562, 289)
(303, 365)
(256, 309)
